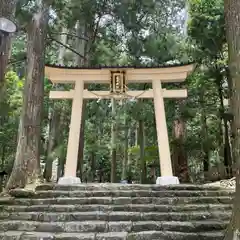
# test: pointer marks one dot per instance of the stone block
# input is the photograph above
(167, 180)
(69, 181)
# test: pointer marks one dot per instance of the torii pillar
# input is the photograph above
(162, 137)
(74, 135)
(156, 76)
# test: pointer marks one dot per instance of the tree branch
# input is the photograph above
(13, 62)
(95, 32)
(67, 47)
(71, 35)
(96, 28)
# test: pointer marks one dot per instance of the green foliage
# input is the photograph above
(151, 154)
(10, 108)
(207, 27)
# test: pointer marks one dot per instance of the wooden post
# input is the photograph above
(74, 131)
(162, 132)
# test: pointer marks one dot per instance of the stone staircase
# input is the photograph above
(116, 212)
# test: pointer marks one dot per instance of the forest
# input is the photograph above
(118, 138)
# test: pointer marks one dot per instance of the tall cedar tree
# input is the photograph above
(26, 169)
(232, 16)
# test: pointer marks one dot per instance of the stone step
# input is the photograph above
(148, 235)
(6, 200)
(110, 208)
(120, 226)
(120, 193)
(115, 216)
(122, 200)
(125, 187)
(116, 211)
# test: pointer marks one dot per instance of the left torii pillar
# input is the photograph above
(74, 136)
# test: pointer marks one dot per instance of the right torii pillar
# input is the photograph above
(167, 177)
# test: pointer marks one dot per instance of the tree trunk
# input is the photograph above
(55, 123)
(93, 166)
(84, 47)
(114, 143)
(7, 10)
(80, 43)
(204, 133)
(26, 167)
(180, 160)
(125, 159)
(232, 13)
(230, 103)
(80, 47)
(143, 168)
(81, 142)
(62, 49)
(52, 142)
(227, 148)
(2, 167)
(131, 135)
(136, 135)
(137, 144)
(205, 149)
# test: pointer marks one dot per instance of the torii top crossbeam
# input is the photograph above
(167, 74)
(118, 77)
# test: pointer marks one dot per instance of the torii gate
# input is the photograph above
(118, 78)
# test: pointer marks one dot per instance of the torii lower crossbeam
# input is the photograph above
(105, 94)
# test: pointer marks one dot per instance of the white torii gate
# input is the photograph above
(155, 75)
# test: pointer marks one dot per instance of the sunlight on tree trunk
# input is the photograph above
(26, 169)
(232, 13)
